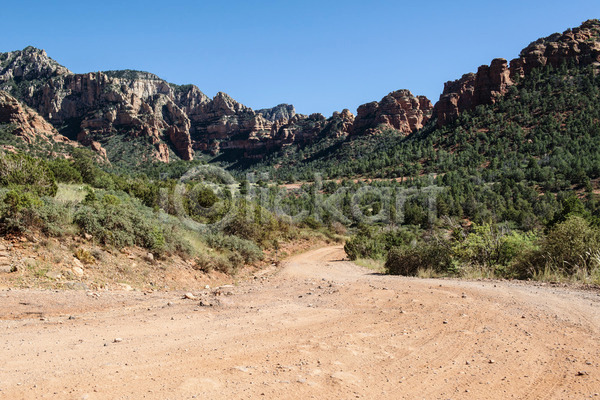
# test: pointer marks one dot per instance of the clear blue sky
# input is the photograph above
(320, 56)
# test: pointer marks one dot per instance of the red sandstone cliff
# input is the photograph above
(28, 125)
(580, 46)
(399, 110)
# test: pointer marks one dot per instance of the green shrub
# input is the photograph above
(529, 262)
(207, 263)
(375, 243)
(16, 200)
(64, 171)
(154, 239)
(496, 250)
(201, 196)
(174, 241)
(516, 244)
(53, 218)
(247, 249)
(570, 206)
(408, 261)
(83, 161)
(27, 174)
(84, 256)
(311, 222)
(16, 211)
(111, 200)
(103, 180)
(361, 246)
(23, 211)
(119, 223)
(520, 253)
(571, 246)
(482, 246)
(243, 227)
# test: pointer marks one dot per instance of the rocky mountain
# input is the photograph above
(112, 111)
(579, 46)
(100, 109)
(282, 111)
(29, 125)
(31, 130)
(28, 65)
(399, 110)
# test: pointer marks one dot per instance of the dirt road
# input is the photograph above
(319, 328)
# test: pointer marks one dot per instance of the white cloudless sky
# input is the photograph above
(321, 56)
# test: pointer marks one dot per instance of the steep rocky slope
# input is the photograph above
(579, 46)
(110, 111)
(29, 125)
(28, 130)
(91, 107)
(95, 108)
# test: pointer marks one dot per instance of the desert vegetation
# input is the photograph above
(508, 189)
(78, 197)
(517, 187)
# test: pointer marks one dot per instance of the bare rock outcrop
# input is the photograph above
(29, 63)
(162, 153)
(580, 46)
(278, 113)
(341, 123)
(472, 90)
(92, 108)
(399, 110)
(101, 151)
(29, 125)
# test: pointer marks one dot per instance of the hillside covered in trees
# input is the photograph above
(500, 178)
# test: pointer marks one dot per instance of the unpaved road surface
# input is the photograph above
(319, 328)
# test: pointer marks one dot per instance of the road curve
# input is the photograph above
(318, 328)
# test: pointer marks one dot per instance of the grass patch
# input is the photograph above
(196, 241)
(373, 265)
(70, 193)
(427, 273)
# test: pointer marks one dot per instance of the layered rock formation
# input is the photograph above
(399, 110)
(580, 46)
(91, 108)
(28, 124)
(280, 112)
(96, 108)
(472, 90)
